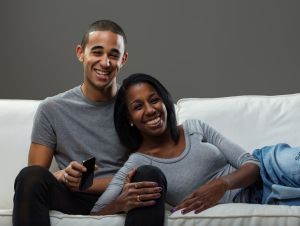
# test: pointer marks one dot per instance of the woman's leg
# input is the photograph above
(151, 215)
(37, 191)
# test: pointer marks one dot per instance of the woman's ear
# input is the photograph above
(129, 120)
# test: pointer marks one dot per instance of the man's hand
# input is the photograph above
(71, 175)
(204, 197)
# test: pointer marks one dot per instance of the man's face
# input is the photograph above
(102, 59)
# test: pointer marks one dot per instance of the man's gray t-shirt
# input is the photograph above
(77, 129)
(207, 156)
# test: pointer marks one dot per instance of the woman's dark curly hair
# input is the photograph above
(129, 136)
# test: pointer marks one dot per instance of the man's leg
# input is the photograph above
(151, 215)
(37, 191)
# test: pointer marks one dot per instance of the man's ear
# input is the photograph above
(124, 58)
(79, 52)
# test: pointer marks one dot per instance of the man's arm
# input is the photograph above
(99, 185)
(42, 155)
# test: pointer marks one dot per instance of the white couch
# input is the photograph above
(251, 121)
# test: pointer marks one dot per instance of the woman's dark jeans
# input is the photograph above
(151, 215)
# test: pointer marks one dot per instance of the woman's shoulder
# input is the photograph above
(193, 126)
(138, 159)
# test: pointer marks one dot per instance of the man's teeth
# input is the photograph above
(102, 72)
(153, 122)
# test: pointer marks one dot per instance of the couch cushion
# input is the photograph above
(60, 219)
(233, 214)
(251, 121)
(16, 122)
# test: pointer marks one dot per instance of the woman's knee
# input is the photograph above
(150, 173)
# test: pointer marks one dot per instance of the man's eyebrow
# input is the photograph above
(97, 47)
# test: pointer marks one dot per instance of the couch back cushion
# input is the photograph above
(250, 121)
(16, 118)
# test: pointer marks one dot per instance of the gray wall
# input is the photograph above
(196, 48)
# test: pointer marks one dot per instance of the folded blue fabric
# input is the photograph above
(280, 172)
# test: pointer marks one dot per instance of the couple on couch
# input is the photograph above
(190, 166)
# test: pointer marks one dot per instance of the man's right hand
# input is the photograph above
(71, 175)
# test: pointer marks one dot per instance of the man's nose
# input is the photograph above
(104, 61)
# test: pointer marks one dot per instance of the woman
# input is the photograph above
(202, 168)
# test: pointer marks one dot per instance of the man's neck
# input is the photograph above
(98, 95)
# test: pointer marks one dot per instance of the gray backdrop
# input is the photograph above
(196, 48)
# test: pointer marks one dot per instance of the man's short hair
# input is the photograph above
(103, 25)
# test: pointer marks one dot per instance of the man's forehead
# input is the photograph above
(105, 33)
(104, 37)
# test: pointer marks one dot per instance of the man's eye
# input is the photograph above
(97, 53)
(115, 56)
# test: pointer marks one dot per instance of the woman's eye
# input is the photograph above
(137, 107)
(155, 100)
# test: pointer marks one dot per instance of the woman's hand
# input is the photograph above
(138, 194)
(209, 194)
(71, 175)
(204, 197)
(134, 194)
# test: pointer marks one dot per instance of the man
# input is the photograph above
(74, 126)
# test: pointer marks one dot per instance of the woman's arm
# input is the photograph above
(209, 194)
(127, 200)
(234, 154)
(122, 195)
(243, 177)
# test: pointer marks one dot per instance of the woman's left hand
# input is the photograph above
(204, 197)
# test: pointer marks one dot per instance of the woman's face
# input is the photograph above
(147, 110)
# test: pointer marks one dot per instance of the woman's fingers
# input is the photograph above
(130, 176)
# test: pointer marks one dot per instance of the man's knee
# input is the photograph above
(31, 176)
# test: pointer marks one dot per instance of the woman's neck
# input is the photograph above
(163, 146)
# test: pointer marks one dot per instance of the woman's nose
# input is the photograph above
(149, 109)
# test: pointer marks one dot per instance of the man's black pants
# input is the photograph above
(37, 191)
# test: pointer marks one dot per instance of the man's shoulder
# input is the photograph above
(60, 98)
